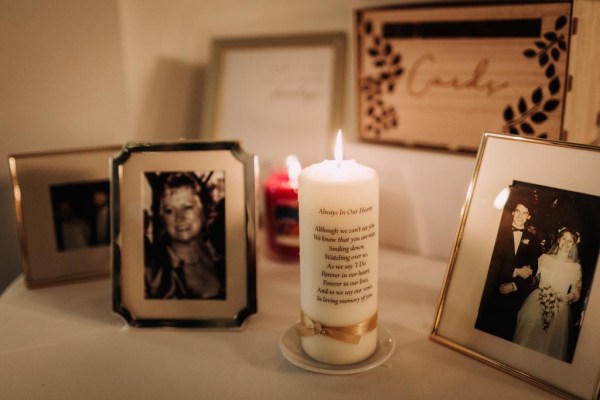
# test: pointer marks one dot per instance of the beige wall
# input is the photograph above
(167, 49)
(76, 73)
(61, 86)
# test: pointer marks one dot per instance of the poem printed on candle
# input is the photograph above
(345, 271)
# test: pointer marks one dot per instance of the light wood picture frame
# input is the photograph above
(538, 325)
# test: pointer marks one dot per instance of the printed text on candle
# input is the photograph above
(345, 271)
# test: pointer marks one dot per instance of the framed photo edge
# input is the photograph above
(15, 188)
(249, 162)
(434, 335)
(336, 39)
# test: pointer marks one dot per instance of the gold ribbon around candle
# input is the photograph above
(349, 334)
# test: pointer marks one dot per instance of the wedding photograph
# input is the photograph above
(541, 269)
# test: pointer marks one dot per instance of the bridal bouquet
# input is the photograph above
(548, 299)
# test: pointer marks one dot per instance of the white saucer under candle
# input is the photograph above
(339, 234)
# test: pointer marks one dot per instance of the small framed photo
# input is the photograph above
(286, 88)
(522, 292)
(184, 252)
(61, 201)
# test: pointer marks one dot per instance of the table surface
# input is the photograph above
(63, 342)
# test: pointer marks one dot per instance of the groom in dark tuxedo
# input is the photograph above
(512, 268)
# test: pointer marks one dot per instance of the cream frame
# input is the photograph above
(285, 88)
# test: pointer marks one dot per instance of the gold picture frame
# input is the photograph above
(548, 185)
(62, 235)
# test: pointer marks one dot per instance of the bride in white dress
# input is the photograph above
(545, 317)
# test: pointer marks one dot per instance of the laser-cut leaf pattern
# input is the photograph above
(526, 118)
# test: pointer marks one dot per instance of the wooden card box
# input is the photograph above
(440, 75)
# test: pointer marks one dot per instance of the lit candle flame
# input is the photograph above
(294, 168)
(338, 152)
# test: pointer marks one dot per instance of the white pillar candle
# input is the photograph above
(339, 215)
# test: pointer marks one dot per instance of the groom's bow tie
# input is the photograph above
(517, 229)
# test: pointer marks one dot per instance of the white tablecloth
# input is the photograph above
(63, 342)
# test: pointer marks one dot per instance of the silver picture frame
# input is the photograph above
(152, 285)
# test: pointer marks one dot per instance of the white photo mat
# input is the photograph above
(502, 160)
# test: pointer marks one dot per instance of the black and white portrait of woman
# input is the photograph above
(184, 238)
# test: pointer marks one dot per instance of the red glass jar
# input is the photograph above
(281, 217)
